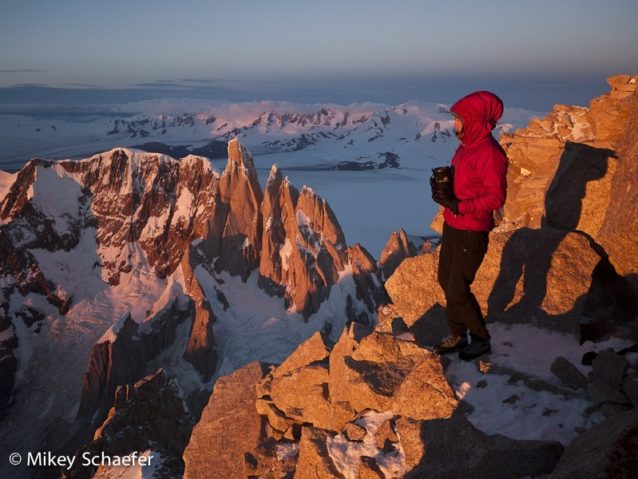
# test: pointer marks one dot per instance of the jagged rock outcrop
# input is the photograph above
(397, 248)
(317, 402)
(382, 372)
(122, 356)
(229, 427)
(561, 167)
(303, 246)
(376, 371)
(148, 415)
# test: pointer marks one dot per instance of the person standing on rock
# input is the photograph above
(477, 188)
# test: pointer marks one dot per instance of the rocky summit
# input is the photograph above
(225, 329)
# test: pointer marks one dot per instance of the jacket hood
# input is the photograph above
(479, 112)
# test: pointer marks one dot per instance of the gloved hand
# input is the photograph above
(432, 185)
(448, 201)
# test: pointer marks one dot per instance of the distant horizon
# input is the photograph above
(531, 53)
(535, 94)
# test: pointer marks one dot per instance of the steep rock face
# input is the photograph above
(620, 224)
(201, 349)
(130, 198)
(561, 166)
(303, 246)
(148, 415)
(233, 231)
(151, 199)
(123, 354)
(229, 426)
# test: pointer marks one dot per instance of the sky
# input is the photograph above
(531, 52)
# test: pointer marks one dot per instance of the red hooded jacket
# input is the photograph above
(480, 164)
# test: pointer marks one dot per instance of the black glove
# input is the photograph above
(432, 185)
(448, 201)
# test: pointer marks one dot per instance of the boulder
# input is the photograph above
(539, 276)
(425, 393)
(579, 194)
(609, 368)
(606, 378)
(229, 427)
(413, 287)
(311, 350)
(606, 450)
(354, 432)
(385, 434)
(569, 374)
(383, 372)
(276, 418)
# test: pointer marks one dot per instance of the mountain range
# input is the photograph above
(185, 312)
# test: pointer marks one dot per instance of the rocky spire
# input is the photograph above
(397, 248)
(303, 246)
(233, 231)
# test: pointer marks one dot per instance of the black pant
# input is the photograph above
(461, 255)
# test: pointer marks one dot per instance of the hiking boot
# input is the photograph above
(476, 348)
(451, 344)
